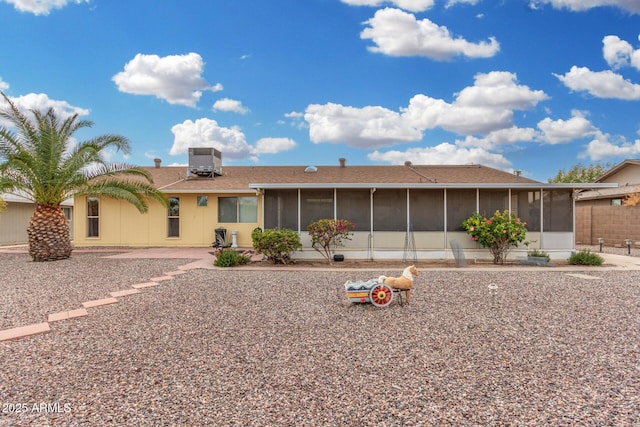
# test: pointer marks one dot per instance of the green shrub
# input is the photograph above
(230, 258)
(585, 257)
(538, 253)
(276, 245)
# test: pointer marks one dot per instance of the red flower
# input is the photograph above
(488, 222)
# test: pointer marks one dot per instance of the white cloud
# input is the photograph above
(294, 115)
(480, 109)
(412, 5)
(175, 78)
(368, 127)
(601, 148)
(232, 105)
(274, 145)
(207, 133)
(498, 89)
(616, 52)
(500, 137)
(42, 102)
(398, 33)
(41, 7)
(561, 131)
(442, 154)
(231, 141)
(451, 3)
(601, 84)
(425, 112)
(619, 53)
(3, 85)
(632, 6)
(485, 107)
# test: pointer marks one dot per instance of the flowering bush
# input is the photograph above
(498, 233)
(328, 233)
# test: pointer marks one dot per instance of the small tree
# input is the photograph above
(581, 173)
(276, 245)
(630, 200)
(499, 233)
(328, 233)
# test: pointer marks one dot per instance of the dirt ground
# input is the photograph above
(395, 264)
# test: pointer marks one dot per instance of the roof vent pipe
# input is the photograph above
(157, 161)
(343, 162)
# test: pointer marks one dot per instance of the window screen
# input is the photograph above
(355, 205)
(526, 206)
(390, 210)
(315, 205)
(492, 201)
(281, 209)
(426, 209)
(558, 210)
(461, 204)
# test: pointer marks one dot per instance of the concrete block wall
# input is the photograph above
(613, 223)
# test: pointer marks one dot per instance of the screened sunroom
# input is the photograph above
(421, 219)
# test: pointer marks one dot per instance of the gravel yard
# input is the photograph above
(283, 348)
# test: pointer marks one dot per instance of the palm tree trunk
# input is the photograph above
(48, 232)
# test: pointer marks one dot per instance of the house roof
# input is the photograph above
(251, 178)
(617, 168)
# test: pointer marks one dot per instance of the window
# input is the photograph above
(558, 210)
(237, 209)
(281, 209)
(390, 210)
(616, 202)
(461, 204)
(426, 210)
(173, 217)
(315, 205)
(526, 206)
(355, 205)
(492, 201)
(93, 217)
(203, 201)
(66, 210)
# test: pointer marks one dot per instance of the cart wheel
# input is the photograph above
(381, 295)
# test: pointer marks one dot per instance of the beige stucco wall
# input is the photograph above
(122, 225)
(14, 222)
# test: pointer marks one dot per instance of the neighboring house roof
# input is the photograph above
(612, 173)
(251, 178)
(626, 174)
(13, 198)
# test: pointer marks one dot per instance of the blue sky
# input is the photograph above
(531, 85)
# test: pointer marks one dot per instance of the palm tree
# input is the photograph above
(40, 160)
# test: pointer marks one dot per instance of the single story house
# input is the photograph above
(394, 208)
(14, 221)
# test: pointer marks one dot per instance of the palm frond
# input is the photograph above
(134, 192)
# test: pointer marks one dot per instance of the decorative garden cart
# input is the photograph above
(371, 291)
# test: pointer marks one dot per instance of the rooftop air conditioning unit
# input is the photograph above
(205, 162)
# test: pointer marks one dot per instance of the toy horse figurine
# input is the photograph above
(404, 282)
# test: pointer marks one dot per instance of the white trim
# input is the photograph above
(306, 185)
